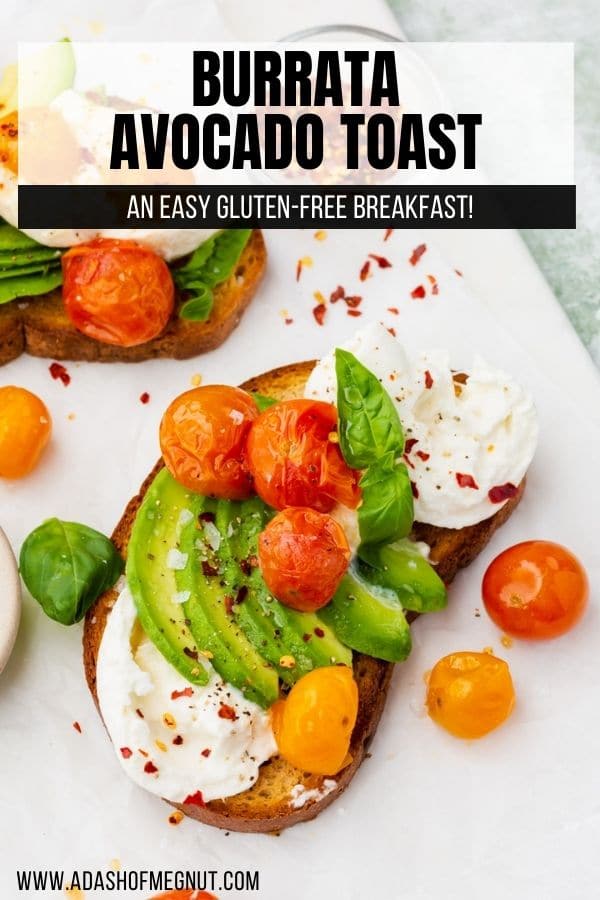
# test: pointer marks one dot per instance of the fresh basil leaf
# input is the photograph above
(29, 285)
(13, 239)
(66, 566)
(198, 306)
(402, 568)
(263, 402)
(386, 512)
(369, 426)
(28, 269)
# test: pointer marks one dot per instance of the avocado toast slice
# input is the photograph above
(40, 325)
(267, 807)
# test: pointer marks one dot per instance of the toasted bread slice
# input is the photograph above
(40, 326)
(267, 806)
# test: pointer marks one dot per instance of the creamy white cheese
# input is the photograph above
(92, 126)
(153, 726)
(301, 795)
(463, 440)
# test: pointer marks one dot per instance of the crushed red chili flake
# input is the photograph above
(319, 632)
(126, 753)
(415, 490)
(365, 270)
(417, 253)
(418, 293)
(288, 321)
(207, 516)
(145, 397)
(209, 570)
(394, 310)
(392, 331)
(150, 768)
(306, 638)
(140, 713)
(338, 294)
(388, 233)
(228, 604)
(428, 380)
(178, 740)
(422, 455)
(59, 372)
(142, 752)
(77, 727)
(353, 301)
(298, 269)
(382, 261)
(410, 443)
(466, 481)
(195, 799)
(353, 312)
(319, 313)
(407, 461)
(459, 273)
(434, 285)
(186, 692)
(227, 712)
(241, 594)
(206, 752)
(501, 492)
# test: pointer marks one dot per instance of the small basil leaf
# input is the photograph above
(263, 402)
(215, 259)
(369, 425)
(198, 306)
(386, 512)
(66, 566)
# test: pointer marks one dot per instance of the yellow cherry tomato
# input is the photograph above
(470, 694)
(25, 427)
(313, 726)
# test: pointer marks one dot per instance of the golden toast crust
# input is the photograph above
(266, 806)
(40, 326)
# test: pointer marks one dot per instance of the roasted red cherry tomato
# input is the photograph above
(535, 590)
(470, 694)
(303, 555)
(296, 460)
(117, 292)
(25, 428)
(203, 440)
(313, 726)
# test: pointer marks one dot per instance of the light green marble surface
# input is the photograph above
(570, 260)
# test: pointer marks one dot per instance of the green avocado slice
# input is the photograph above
(152, 583)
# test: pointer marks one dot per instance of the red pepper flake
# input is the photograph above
(338, 294)
(126, 753)
(388, 233)
(195, 799)
(140, 713)
(382, 261)
(410, 443)
(227, 712)
(418, 293)
(150, 768)
(145, 397)
(228, 604)
(428, 380)
(459, 273)
(143, 753)
(319, 632)
(288, 321)
(306, 638)
(407, 461)
(59, 372)
(365, 271)
(77, 727)
(353, 302)
(417, 253)
(502, 492)
(186, 692)
(206, 752)
(392, 331)
(415, 490)
(354, 313)
(298, 269)
(466, 481)
(422, 455)
(319, 313)
(434, 285)
(178, 740)
(394, 310)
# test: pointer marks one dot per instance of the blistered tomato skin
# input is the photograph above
(535, 590)
(117, 292)
(25, 428)
(303, 555)
(470, 694)
(314, 725)
(203, 437)
(295, 458)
